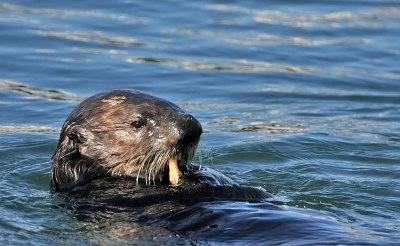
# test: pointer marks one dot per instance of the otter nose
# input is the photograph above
(189, 128)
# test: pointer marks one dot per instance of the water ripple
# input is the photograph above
(267, 39)
(91, 37)
(42, 93)
(242, 65)
(337, 19)
(62, 13)
(298, 97)
(4, 129)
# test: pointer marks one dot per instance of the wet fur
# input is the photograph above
(111, 163)
(98, 139)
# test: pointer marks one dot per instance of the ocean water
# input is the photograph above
(301, 98)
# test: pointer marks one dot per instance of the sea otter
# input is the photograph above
(147, 142)
(123, 161)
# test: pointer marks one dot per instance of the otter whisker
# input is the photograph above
(192, 151)
(149, 164)
(142, 164)
(156, 167)
(153, 167)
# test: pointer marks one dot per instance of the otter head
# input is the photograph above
(124, 133)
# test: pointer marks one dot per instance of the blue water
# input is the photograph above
(301, 98)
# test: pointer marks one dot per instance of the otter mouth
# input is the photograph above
(179, 162)
(159, 165)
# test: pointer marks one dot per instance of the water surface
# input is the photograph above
(301, 98)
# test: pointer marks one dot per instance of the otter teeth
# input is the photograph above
(173, 171)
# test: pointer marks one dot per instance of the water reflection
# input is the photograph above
(4, 129)
(371, 18)
(63, 13)
(91, 37)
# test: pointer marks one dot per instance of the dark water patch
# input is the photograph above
(42, 93)
(315, 95)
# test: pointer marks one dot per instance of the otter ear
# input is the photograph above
(72, 140)
(66, 171)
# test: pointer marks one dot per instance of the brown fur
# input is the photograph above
(123, 133)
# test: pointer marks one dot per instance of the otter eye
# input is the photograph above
(76, 137)
(138, 123)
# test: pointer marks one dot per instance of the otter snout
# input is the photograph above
(190, 130)
(186, 134)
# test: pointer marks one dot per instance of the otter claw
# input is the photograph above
(173, 171)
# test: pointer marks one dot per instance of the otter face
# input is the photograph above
(124, 133)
